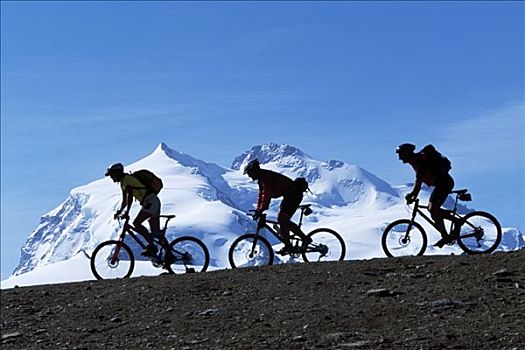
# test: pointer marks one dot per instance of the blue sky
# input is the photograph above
(86, 84)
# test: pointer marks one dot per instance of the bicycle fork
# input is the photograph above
(114, 257)
(406, 238)
(254, 244)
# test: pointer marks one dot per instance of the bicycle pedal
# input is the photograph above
(190, 270)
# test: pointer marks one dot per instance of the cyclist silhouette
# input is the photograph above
(133, 188)
(275, 185)
(432, 171)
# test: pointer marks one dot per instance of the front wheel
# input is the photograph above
(326, 245)
(112, 259)
(250, 250)
(191, 255)
(479, 233)
(404, 237)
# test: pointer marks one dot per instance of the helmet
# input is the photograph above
(405, 148)
(115, 168)
(252, 165)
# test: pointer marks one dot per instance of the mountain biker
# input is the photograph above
(275, 185)
(150, 202)
(431, 175)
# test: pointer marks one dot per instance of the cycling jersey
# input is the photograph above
(271, 185)
(139, 191)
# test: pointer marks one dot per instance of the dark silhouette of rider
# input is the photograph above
(428, 174)
(150, 209)
(275, 185)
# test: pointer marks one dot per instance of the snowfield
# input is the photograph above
(210, 202)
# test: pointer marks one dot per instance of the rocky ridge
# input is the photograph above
(429, 302)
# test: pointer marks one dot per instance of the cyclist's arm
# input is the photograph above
(417, 187)
(127, 199)
(263, 202)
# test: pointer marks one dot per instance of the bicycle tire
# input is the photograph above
(250, 250)
(396, 231)
(101, 266)
(197, 256)
(489, 236)
(326, 245)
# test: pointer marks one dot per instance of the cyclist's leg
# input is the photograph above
(150, 211)
(284, 222)
(295, 229)
(443, 187)
(137, 223)
(154, 224)
(447, 214)
(289, 205)
(152, 207)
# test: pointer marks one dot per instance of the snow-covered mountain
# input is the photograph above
(210, 202)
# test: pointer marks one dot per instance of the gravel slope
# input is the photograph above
(459, 302)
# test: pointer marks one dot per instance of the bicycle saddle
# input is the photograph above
(305, 206)
(167, 216)
(460, 192)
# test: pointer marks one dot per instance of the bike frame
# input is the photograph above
(133, 233)
(454, 217)
(263, 222)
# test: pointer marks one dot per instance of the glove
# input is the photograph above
(257, 214)
(410, 198)
(117, 215)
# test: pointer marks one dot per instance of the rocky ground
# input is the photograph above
(459, 302)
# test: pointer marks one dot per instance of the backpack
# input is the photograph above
(437, 163)
(151, 182)
(301, 184)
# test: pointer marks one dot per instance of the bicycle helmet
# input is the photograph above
(405, 148)
(115, 169)
(252, 165)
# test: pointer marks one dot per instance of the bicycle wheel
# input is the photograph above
(191, 255)
(250, 250)
(395, 241)
(327, 245)
(479, 233)
(112, 259)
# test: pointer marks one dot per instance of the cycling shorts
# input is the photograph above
(443, 186)
(291, 201)
(151, 204)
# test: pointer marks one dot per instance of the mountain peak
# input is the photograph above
(271, 153)
(163, 148)
(164, 152)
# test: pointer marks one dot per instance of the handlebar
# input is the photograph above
(415, 201)
(252, 214)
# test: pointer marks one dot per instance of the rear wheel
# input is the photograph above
(191, 255)
(112, 259)
(479, 233)
(326, 245)
(250, 250)
(396, 242)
